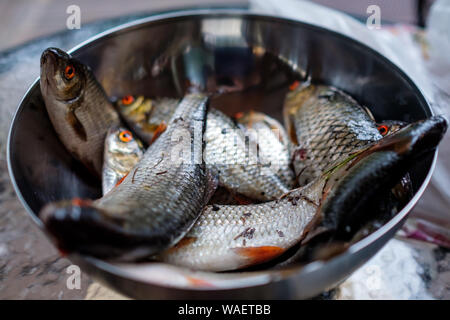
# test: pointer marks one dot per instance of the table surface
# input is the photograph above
(30, 267)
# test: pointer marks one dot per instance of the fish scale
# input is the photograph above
(327, 124)
(229, 237)
(273, 146)
(78, 107)
(156, 203)
(226, 155)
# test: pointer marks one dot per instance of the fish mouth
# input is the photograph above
(54, 54)
(414, 139)
(49, 64)
(78, 226)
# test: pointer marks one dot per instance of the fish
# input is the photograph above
(155, 204)
(327, 246)
(77, 106)
(388, 127)
(324, 124)
(226, 152)
(230, 237)
(147, 117)
(122, 152)
(232, 156)
(273, 144)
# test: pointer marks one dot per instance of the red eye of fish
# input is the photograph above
(383, 129)
(69, 72)
(127, 100)
(294, 85)
(238, 115)
(125, 136)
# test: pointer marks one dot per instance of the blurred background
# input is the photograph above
(23, 20)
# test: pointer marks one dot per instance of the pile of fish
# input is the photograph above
(186, 184)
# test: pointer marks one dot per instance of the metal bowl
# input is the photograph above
(160, 56)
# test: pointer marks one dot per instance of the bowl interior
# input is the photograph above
(251, 59)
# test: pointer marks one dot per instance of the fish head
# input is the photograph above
(363, 179)
(62, 77)
(120, 140)
(77, 225)
(135, 107)
(388, 127)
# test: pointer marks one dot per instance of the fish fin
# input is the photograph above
(158, 131)
(76, 124)
(199, 282)
(182, 243)
(121, 180)
(257, 255)
(241, 199)
(292, 131)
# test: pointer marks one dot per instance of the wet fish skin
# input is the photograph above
(77, 106)
(229, 161)
(324, 124)
(394, 155)
(235, 163)
(325, 246)
(122, 152)
(152, 208)
(273, 144)
(227, 237)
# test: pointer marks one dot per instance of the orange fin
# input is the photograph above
(121, 180)
(257, 255)
(294, 85)
(182, 243)
(199, 282)
(241, 199)
(238, 115)
(158, 131)
(81, 202)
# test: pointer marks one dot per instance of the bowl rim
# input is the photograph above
(277, 275)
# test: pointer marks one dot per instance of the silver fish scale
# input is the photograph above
(228, 237)
(273, 147)
(328, 124)
(158, 197)
(227, 155)
(162, 110)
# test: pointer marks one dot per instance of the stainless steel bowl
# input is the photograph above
(157, 56)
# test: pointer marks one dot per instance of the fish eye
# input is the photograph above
(238, 115)
(125, 136)
(69, 72)
(127, 100)
(383, 129)
(294, 85)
